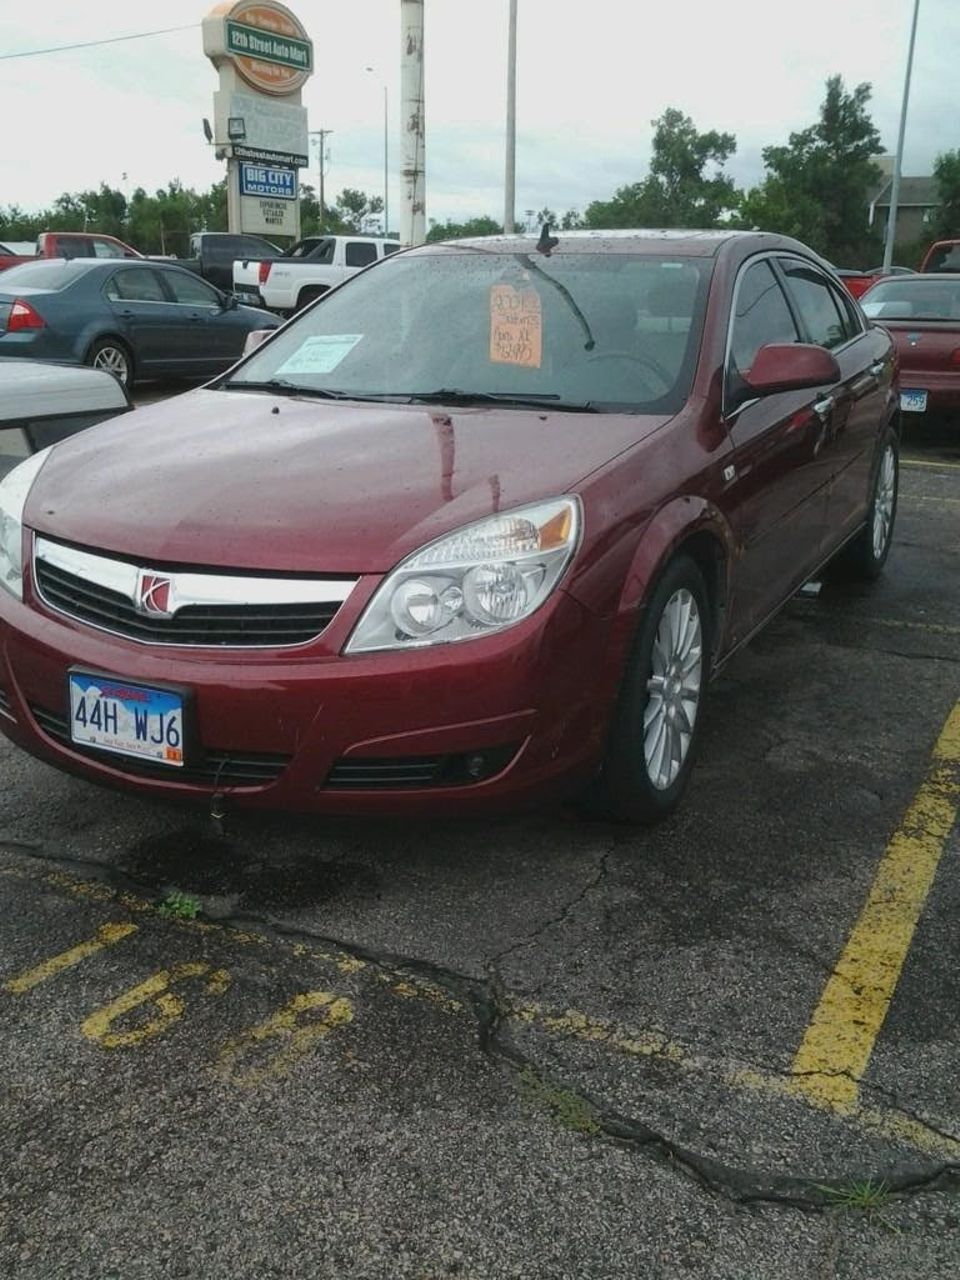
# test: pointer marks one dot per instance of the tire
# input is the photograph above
(650, 754)
(114, 357)
(863, 558)
(310, 294)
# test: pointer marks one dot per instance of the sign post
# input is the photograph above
(264, 57)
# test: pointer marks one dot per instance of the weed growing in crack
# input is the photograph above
(179, 906)
(862, 1196)
(566, 1107)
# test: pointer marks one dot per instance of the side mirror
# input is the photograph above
(254, 339)
(230, 302)
(791, 367)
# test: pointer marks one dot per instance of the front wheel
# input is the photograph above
(658, 717)
(864, 557)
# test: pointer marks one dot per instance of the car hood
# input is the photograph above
(249, 480)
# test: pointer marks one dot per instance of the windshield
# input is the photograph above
(608, 331)
(912, 299)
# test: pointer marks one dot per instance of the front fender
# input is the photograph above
(674, 525)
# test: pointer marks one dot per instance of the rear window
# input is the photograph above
(51, 275)
(907, 298)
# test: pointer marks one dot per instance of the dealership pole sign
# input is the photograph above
(264, 56)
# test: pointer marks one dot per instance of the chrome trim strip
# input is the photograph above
(186, 589)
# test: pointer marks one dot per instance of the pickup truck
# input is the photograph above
(288, 283)
(213, 253)
(70, 244)
(942, 257)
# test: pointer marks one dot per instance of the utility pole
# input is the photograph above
(322, 134)
(510, 176)
(898, 161)
(413, 208)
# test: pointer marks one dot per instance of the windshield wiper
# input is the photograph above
(282, 387)
(527, 400)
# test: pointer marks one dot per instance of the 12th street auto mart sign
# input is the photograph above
(266, 43)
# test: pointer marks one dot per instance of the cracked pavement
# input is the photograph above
(541, 1047)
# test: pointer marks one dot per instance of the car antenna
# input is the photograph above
(547, 243)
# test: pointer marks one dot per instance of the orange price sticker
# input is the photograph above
(516, 326)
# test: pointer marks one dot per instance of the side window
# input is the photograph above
(814, 299)
(79, 247)
(104, 249)
(391, 246)
(360, 253)
(761, 316)
(852, 324)
(191, 289)
(135, 284)
(220, 249)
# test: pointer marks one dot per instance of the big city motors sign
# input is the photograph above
(267, 44)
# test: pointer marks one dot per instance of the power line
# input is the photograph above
(90, 44)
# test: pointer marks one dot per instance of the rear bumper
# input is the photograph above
(943, 389)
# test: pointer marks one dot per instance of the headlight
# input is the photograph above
(14, 488)
(471, 583)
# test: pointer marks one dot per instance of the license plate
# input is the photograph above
(128, 719)
(913, 402)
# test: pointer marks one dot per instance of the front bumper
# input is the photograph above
(309, 729)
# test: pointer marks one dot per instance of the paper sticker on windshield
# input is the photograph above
(516, 326)
(320, 354)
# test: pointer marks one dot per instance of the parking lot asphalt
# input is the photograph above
(726, 1047)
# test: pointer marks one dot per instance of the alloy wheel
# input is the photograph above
(883, 501)
(113, 360)
(676, 674)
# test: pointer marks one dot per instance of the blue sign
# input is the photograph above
(279, 184)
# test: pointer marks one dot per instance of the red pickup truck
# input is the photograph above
(70, 244)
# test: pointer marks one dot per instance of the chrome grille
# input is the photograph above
(207, 609)
(216, 769)
(408, 771)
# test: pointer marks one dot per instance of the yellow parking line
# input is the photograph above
(106, 936)
(926, 462)
(839, 1040)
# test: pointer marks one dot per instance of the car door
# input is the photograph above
(208, 338)
(142, 314)
(866, 367)
(776, 475)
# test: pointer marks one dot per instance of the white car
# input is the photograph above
(289, 283)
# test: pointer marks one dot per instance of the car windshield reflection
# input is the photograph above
(579, 331)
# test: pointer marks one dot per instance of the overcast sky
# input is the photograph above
(591, 78)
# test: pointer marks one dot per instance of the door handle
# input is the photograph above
(128, 315)
(824, 407)
(877, 368)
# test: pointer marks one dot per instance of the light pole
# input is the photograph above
(386, 155)
(898, 160)
(510, 173)
(322, 135)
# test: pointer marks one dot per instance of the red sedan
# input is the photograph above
(922, 315)
(475, 529)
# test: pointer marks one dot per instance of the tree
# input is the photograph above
(352, 212)
(677, 192)
(449, 230)
(817, 186)
(946, 170)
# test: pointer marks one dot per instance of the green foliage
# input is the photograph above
(677, 192)
(817, 186)
(450, 230)
(179, 906)
(946, 170)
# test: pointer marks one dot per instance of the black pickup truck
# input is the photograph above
(213, 254)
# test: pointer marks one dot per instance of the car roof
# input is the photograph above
(32, 389)
(655, 241)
